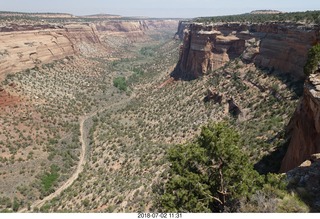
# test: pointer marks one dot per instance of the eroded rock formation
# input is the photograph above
(305, 126)
(305, 181)
(183, 25)
(26, 47)
(133, 30)
(280, 46)
(212, 94)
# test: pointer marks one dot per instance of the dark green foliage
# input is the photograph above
(147, 51)
(15, 205)
(50, 178)
(313, 60)
(308, 17)
(120, 83)
(209, 175)
(135, 77)
(86, 202)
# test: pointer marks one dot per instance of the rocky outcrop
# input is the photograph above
(233, 109)
(183, 25)
(25, 47)
(212, 94)
(82, 33)
(305, 181)
(279, 46)
(305, 126)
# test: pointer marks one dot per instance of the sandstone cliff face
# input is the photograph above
(305, 126)
(25, 48)
(121, 26)
(183, 25)
(133, 30)
(162, 24)
(280, 46)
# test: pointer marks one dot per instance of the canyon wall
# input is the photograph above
(121, 26)
(23, 47)
(183, 25)
(133, 30)
(304, 126)
(162, 24)
(279, 46)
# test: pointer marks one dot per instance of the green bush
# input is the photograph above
(50, 178)
(313, 60)
(120, 83)
(15, 205)
(147, 51)
(311, 17)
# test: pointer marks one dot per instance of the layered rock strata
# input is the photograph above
(279, 46)
(24, 48)
(133, 30)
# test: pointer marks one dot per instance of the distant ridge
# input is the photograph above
(266, 12)
(102, 16)
(35, 14)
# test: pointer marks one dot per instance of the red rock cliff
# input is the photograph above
(305, 126)
(23, 47)
(275, 45)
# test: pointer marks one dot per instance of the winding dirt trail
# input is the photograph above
(82, 160)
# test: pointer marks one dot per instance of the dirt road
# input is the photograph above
(82, 160)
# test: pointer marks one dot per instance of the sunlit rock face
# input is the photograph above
(276, 46)
(305, 126)
(25, 47)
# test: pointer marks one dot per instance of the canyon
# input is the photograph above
(26, 46)
(63, 67)
(73, 141)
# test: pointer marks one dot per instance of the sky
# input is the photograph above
(157, 8)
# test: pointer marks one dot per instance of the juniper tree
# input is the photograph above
(210, 174)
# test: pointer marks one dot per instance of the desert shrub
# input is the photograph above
(273, 197)
(313, 60)
(49, 178)
(120, 83)
(147, 51)
(15, 205)
(307, 17)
